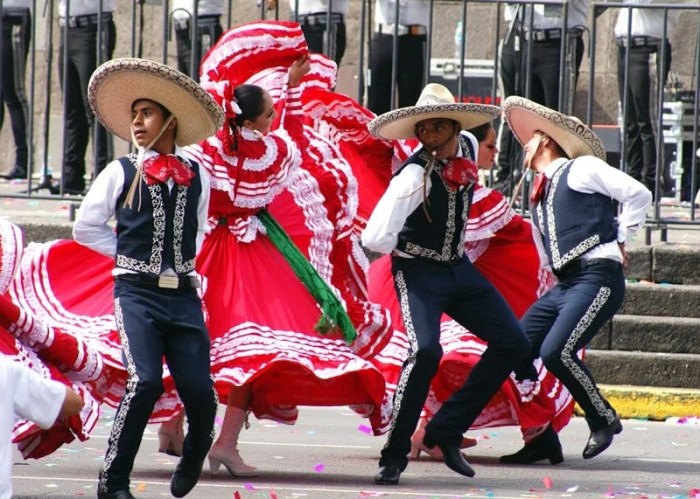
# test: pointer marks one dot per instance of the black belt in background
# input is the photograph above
(320, 18)
(543, 35)
(85, 21)
(404, 29)
(202, 22)
(576, 267)
(162, 281)
(638, 41)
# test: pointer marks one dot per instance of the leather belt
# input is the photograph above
(85, 21)
(404, 29)
(639, 41)
(320, 18)
(543, 35)
(578, 266)
(202, 22)
(161, 281)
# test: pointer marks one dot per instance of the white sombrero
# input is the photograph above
(525, 117)
(435, 101)
(118, 83)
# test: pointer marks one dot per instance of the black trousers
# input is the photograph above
(209, 30)
(640, 142)
(154, 323)
(317, 39)
(544, 89)
(410, 70)
(426, 290)
(563, 322)
(80, 124)
(16, 36)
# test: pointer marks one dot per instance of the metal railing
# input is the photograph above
(480, 40)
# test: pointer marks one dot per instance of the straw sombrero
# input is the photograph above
(435, 101)
(525, 117)
(117, 84)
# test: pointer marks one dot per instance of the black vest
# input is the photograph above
(160, 230)
(573, 222)
(440, 237)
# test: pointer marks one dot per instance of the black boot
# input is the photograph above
(185, 476)
(601, 439)
(16, 173)
(545, 446)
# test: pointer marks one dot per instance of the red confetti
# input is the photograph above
(547, 482)
(273, 494)
(236, 495)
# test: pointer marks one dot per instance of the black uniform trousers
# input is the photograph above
(154, 323)
(640, 144)
(410, 70)
(16, 36)
(544, 89)
(317, 38)
(209, 30)
(564, 321)
(427, 289)
(80, 124)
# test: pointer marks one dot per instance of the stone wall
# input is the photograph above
(482, 21)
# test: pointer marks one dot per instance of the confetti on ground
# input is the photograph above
(694, 494)
(218, 421)
(141, 487)
(319, 467)
(365, 429)
(273, 494)
(370, 493)
(611, 492)
(249, 486)
(572, 489)
(237, 495)
(547, 482)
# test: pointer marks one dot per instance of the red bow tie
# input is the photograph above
(539, 187)
(459, 172)
(163, 167)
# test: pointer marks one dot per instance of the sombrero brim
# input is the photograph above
(524, 117)
(118, 83)
(401, 123)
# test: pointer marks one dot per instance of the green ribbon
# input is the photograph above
(333, 314)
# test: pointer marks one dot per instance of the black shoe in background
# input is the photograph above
(17, 173)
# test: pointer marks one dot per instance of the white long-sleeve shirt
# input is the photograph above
(645, 22)
(92, 227)
(589, 174)
(402, 197)
(85, 7)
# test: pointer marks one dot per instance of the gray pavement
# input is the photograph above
(329, 453)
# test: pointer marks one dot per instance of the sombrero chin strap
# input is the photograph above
(129, 201)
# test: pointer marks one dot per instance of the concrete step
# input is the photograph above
(669, 300)
(615, 367)
(649, 334)
(655, 403)
(665, 263)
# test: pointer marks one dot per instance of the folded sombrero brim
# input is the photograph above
(118, 83)
(401, 123)
(524, 117)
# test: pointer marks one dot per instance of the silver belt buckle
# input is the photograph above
(168, 281)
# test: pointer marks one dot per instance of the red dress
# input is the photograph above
(49, 352)
(261, 318)
(498, 241)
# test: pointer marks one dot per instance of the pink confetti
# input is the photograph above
(319, 467)
(218, 421)
(249, 486)
(547, 482)
(694, 494)
(611, 492)
(273, 494)
(365, 429)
